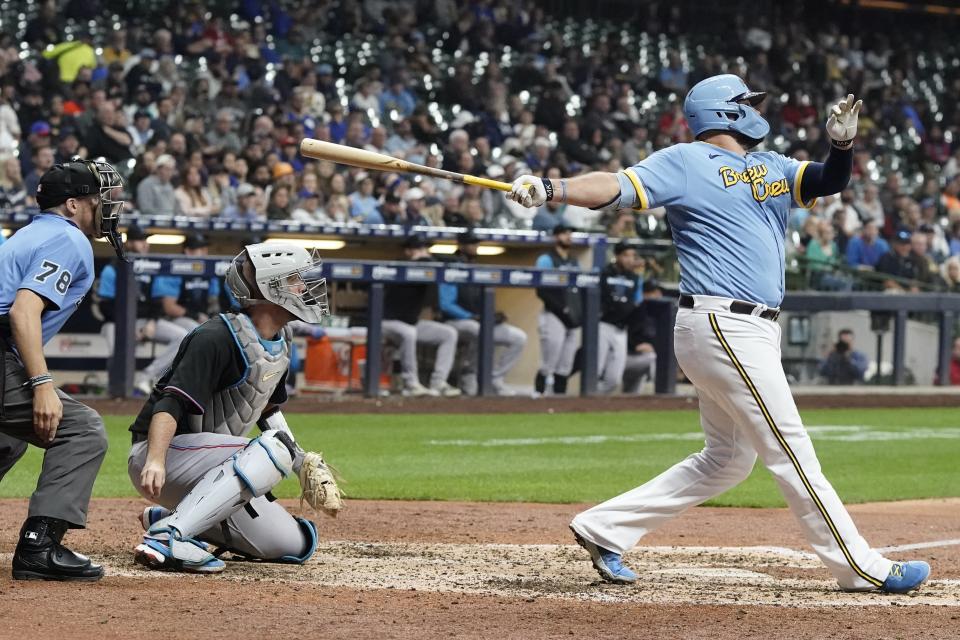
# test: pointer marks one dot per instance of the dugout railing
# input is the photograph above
(378, 275)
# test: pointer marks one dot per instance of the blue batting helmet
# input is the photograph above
(724, 103)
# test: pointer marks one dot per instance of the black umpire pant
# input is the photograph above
(70, 462)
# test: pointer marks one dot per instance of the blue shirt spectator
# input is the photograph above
(362, 201)
(866, 249)
(397, 98)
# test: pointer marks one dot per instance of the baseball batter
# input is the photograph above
(46, 269)
(727, 207)
(190, 454)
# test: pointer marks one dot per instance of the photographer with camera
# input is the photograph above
(844, 365)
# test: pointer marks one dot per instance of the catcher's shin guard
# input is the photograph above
(310, 535)
(223, 490)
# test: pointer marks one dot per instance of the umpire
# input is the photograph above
(46, 269)
(559, 322)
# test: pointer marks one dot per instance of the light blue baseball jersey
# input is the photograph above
(728, 214)
(52, 258)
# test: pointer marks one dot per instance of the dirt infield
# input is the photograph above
(468, 570)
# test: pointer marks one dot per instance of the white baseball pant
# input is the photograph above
(406, 336)
(612, 357)
(746, 408)
(271, 534)
(511, 339)
(558, 345)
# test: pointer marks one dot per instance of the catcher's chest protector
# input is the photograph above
(234, 409)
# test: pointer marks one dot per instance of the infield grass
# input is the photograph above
(868, 455)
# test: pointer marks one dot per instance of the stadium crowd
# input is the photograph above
(202, 106)
(205, 103)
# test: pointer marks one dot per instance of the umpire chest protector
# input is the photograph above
(234, 409)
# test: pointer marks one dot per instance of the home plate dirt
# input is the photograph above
(670, 575)
(422, 570)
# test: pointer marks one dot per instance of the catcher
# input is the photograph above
(190, 454)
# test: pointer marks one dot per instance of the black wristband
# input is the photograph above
(548, 187)
(843, 145)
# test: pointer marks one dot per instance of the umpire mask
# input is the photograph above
(286, 275)
(80, 178)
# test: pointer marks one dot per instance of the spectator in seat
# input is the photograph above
(869, 206)
(279, 206)
(107, 138)
(42, 158)
(13, 192)
(246, 207)
(222, 137)
(309, 208)
(362, 201)
(155, 194)
(193, 198)
(950, 274)
(907, 270)
(866, 249)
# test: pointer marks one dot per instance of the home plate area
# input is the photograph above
(668, 575)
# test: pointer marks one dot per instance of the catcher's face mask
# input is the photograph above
(284, 274)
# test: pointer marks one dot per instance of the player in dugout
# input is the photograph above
(403, 305)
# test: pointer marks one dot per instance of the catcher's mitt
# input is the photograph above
(319, 486)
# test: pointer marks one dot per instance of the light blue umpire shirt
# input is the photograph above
(728, 214)
(52, 257)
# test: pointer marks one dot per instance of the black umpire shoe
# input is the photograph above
(40, 556)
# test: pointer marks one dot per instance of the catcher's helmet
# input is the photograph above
(285, 274)
(724, 103)
(80, 178)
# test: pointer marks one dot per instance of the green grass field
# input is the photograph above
(868, 455)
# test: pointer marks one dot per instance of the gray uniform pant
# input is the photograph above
(165, 332)
(70, 462)
(558, 345)
(638, 366)
(512, 340)
(272, 534)
(612, 352)
(406, 336)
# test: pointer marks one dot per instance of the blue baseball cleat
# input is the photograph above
(608, 564)
(164, 549)
(906, 576)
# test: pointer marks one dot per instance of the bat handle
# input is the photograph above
(486, 182)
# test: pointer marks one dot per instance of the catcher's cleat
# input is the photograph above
(163, 549)
(608, 564)
(906, 576)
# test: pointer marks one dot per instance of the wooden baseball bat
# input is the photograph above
(343, 154)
